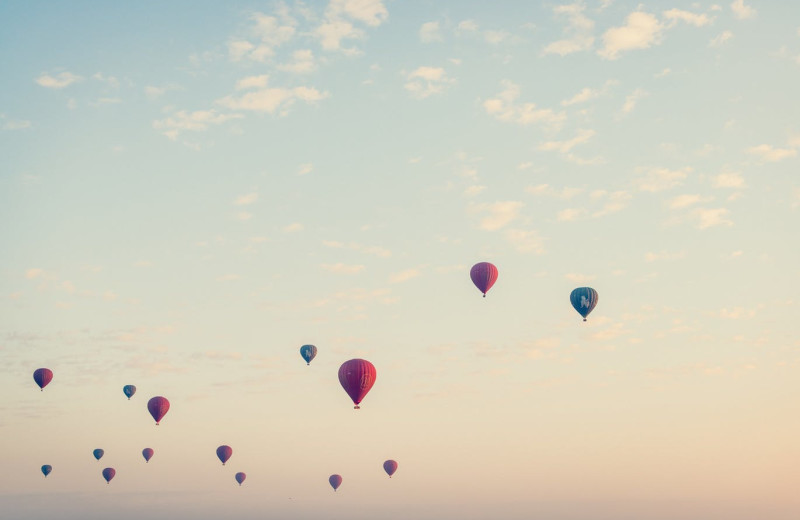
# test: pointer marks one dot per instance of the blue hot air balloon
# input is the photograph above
(308, 352)
(98, 453)
(129, 390)
(584, 299)
(46, 469)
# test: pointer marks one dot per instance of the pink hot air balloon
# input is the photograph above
(240, 477)
(147, 453)
(158, 408)
(108, 474)
(390, 467)
(336, 481)
(42, 376)
(357, 377)
(224, 453)
(483, 275)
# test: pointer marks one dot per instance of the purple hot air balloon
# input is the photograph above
(224, 453)
(357, 377)
(390, 467)
(108, 474)
(240, 477)
(483, 275)
(335, 481)
(147, 453)
(158, 407)
(42, 376)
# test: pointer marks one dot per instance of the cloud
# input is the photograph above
(660, 179)
(500, 214)
(270, 31)
(294, 227)
(369, 12)
(675, 15)
(303, 62)
(33, 273)
(632, 99)
(191, 121)
(581, 97)
(684, 201)
(664, 255)
(719, 40)
(741, 11)
(343, 268)
(252, 82)
(305, 168)
(471, 191)
(228, 277)
(14, 124)
(640, 31)
(505, 108)
(155, 92)
(769, 153)
(244, 216)
(579, 278)
(706, 218)
(578, 31)
(495, 37)
(570, 214)
(467, 26)
(429, 32)
(566, 193)
(272, 99)
(404, 276)
(426, 81)
(246, 200)
(332, 32)
(614, 202)
(61, 80)
(525, 241)
(729, 180)
(378, 251)
(565, 146)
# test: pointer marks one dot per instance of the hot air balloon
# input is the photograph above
(46, 469)
(42, 376)
(129, 390)
(336, 481)
(98, 453)
(390, 467)
(584, 299)
(308, 352)
(240, 477)
(147, 453)
(483, 275)
(224, 453)
(357, 377)
(158, 408)
(108, 474)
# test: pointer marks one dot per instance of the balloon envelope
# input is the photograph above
(584, 300)
(483, 275)
(336, 481)
(98, 453)
(46, 469)
(390, 467)
(224, 453)
(158, 407)
(357, 377)
(147, 453)
(240, 477)
(42, 376)
(308, 352)
(109, 473)
(129, 390)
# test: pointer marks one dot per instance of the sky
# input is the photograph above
(191, 191)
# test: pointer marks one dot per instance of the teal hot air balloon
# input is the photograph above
(46, 469)
(308, 352)
(584, 299)
(98, 453)
(129, 390)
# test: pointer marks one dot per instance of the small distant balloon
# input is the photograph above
(158, 408)
(308, 352)
(42, 376)
(129, 390)
(584, 300)
(108, 474)
(224, 453)
(147, 453)
(335, 481)
(46, 469)
(240, 477)
(390, 467)
(483, 275)
(98, 453)
(357, 377)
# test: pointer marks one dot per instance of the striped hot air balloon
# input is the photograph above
(224, 453)
(158, 408)
(129, 390)
(240, 477)
(357, 377)
(42, 376)
(483, 275)
(390, 466)
(108, 474)
(584, 300)
(335, 481)
(308, 352)
(147, 453)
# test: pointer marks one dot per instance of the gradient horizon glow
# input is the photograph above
(191, 191)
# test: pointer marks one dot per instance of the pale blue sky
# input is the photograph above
(193, 190)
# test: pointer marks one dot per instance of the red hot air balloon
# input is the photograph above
(335, 481)
(483, 275)
(224, 453)
(42, 376)
(390, 467)
(240, 477)
(357, 377)
(108, 474)
(158, 408)
(147, 453)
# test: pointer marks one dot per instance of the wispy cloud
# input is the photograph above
(302, 62)
(676, 15)
(191, 121)
(252, 82)
(578, 32)
(729, 180)
(293, 227)
(58, 81)
(404, 275)
(504, 106)
(641, 31)
(427, 81)
(305, 168)
(526, 241)
(565, 146)
(686, 200)
(632, 99)
(272, 100)
(741, 11)
(246, 200)
(378, 251)
(498, 214)
(720, 39)
(705, 218)
(429, 32)
(660, 179)
(341, 268)
(769, 153)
